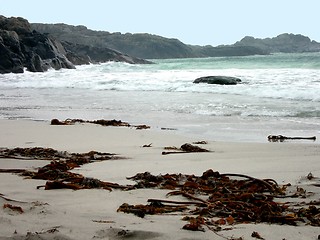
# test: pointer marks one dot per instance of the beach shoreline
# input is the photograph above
(92, 213)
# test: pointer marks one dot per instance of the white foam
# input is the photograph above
(119, 89)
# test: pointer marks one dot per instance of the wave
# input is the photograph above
(272, 86)
(290, 84)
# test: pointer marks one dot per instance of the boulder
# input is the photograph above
(221, 80)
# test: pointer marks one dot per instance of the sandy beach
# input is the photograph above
(92, 213)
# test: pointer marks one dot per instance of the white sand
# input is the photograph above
(91, 214)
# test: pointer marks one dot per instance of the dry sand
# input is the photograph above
(91, 214)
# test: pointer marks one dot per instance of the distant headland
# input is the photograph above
(149, 46)
(38, 47)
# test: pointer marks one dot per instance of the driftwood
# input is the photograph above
(169, 129)
(281, 138)
(147, 145)
(12, 170)
(173, 202)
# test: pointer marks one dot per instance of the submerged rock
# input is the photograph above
(221, 80)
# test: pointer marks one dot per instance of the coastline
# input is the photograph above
(87, 214)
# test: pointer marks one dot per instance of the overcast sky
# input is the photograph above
(197, 22)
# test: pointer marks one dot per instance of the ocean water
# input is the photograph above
(279, 94)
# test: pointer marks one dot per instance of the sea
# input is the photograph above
(279, 95)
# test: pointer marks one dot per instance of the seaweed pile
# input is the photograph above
(215, 199)
(102, 122)
(211, 200)
(58, 171)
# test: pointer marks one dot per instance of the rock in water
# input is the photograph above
(221, 80)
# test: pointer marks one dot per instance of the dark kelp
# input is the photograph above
(218, 199)
(185, 148)
(102, 122)
(212, 199)
(57, 172)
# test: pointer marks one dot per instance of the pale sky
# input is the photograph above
(200, 22)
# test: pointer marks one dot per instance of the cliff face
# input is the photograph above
(22, 47)
(152, 46)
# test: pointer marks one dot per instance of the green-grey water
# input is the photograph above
(279, 94)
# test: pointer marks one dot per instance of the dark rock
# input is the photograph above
(221, 80)
(45, 52)
(18, 25)
(77, 59)
(10, 52)
(9, 61)
(20, 48)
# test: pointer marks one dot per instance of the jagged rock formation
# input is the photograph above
(22, 47)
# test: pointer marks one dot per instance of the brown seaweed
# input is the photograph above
(58, 171)
(212, 199)
(219, 199)
(13, 208)
(102, 122)
(185, 148)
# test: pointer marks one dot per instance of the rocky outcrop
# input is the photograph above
(220, 80)
(10, 57)
(20, 48)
